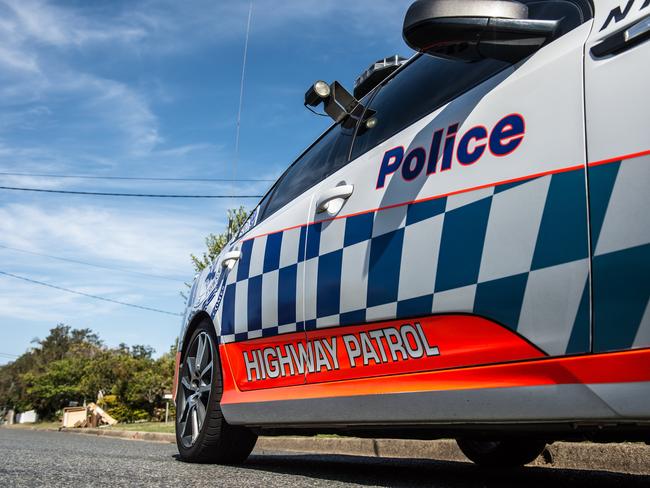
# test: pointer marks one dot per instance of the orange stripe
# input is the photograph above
(620, 158)
(425, 199)
(465, 190)
(616, 367)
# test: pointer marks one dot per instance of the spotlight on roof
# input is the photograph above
(318, 92)
(338, 103)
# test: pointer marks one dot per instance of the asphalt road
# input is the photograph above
(36, 458)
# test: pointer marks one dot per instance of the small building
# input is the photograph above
(28, 417)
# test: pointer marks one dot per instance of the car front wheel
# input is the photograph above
(202, 433)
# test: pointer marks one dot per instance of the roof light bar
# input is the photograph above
(375, 74)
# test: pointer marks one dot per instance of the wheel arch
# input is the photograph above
(193, 323)
(185, 334)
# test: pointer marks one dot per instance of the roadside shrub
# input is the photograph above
(124, 413)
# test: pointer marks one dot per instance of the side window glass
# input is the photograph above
(421, 87)
(325, 157)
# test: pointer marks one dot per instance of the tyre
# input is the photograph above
(202, 433)
(501, 454)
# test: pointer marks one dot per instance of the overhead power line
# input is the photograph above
(88, 295)
(85, 263)
(138, 178)
(111, 194)
(6, 355)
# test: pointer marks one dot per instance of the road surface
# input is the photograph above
(36, 458)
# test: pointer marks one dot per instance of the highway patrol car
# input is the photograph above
(464, 253)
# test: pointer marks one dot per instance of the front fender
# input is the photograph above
(205, 297)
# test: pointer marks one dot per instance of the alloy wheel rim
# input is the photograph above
(195, 385)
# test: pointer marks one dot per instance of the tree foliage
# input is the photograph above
(73, 365)
(216, 242)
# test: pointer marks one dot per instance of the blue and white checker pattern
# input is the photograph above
(516, 253)
(619, 201)
(261, 296)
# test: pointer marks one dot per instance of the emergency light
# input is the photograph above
(375, 74)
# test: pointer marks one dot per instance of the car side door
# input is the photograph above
(464, 240)
(617, 109)
(262, 318)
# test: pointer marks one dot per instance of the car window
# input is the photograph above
(424, 85)
(322, 159)
(428, 82)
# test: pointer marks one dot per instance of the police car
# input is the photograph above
(465, 253)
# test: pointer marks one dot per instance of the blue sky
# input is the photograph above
(151, 88)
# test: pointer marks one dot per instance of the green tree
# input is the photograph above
(13, 390)
(60, 340)
(53, 389)
(38, 379)
(73, 365)
(216, 242)
(139, 351)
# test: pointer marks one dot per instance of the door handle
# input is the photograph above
(230, 258)
(326, 199)
(623, 40)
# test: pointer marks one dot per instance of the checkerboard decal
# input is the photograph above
(493, 252)
(619, 202)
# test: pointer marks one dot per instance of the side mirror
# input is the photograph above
(475, 29)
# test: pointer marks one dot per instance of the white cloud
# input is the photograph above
(106, 105)
(164, 20)
(15, 60)
(34, 182)
(33, 302)
(35, 37)
(185, 149)
(43, 22)
(41, 42)
(124, 109)
(153, 241)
